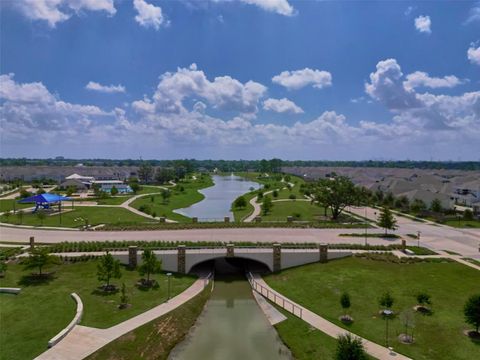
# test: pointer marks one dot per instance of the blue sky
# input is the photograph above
(240, 79)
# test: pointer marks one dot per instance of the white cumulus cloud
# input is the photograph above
(473, 54)
(298, 79)
(95, 86)
(149, 15)
(422, 79)
(423, 24)
(56, 11)
(282, 106)
(474, 14)
(281, 7)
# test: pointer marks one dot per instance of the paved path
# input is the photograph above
(325, 326)
(437, 237)
(83, 341)
(281, 235)
(257, 208)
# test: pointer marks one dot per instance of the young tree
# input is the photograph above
(260, 195)
(39, 258)
(418, 205)
(345, 303)
(6, 215)
(468, 215)
(24, 193)
(471, 311)
(267, 205)
(165, 195)
(387, 220)
(114, 191)
(240, 202)
(150, 265)
(350, 348)
(123, 297)
(423, 299)
(436, 205)
(407, 318)
(386, 300)
(3, 267)
(134, 186)
(108, 268)
(41, 216)
(275, 193)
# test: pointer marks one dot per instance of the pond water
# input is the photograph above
(218, 198)
(232, 326)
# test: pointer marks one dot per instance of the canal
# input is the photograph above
(232, 326)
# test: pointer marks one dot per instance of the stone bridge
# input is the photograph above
(275, 258)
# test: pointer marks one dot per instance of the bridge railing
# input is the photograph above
(277, 299)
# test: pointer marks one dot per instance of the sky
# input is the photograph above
(240, 79)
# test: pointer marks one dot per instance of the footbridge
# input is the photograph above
(182, 259)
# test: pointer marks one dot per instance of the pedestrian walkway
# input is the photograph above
(83, 341)
(374, 349)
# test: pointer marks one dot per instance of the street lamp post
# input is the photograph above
(366, 225)
(169, 276)
(418, 238)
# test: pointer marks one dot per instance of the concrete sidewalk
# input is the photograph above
(83, 341)
(374, 349)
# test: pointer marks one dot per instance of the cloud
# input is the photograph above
(94, 86)
(422, 79)
(224, 92)
(298, 79)
(30, 110)
(282, 106)
(281, 7)
(410, 10)
(149, 15)
(423, 24)
(56, 11)
(473, 54)
(474, 14)
(422, 111)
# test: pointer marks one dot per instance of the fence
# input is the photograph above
(274, 297)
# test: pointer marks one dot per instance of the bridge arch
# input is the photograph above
(223, 263)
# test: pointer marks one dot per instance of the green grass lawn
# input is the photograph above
(464, 223)
(439, 336)
(300, 210)
(157, 338)
(8, 205)
(179, 199)
(304, 341)
(40, 311)
(95, 216)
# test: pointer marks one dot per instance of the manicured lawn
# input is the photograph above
(304, 341)
(40, 311)
(300, 210)
(241, 213)
(156, 339)
(178, 199)
(439, 336)
(463, 223)
(95, 216)
(8, 204)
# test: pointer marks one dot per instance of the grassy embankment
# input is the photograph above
(183, 195)
(438, 336)
(42, 309)
(157, 338)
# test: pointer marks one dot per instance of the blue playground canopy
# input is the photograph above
(44, 200)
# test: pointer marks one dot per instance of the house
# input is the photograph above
(107, 185)
(77, 184)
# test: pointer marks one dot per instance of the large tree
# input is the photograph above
(336, 194)
(471, 311)
(40, 258)
(145, 172)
